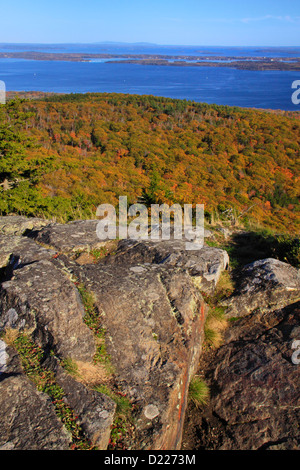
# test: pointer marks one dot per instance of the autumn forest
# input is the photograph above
(63, 155)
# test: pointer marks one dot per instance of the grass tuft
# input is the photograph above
(199, 392)
(215, 325)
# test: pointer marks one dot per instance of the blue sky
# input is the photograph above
(187, 22)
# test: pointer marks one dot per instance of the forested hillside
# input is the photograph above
(63, 155)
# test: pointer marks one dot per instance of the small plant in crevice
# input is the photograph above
(70, 366)
(92, 319)
(99, 253)
(216, 321)
(215, 325)
(31, 357)
(199, 392)
(123, 427)
(122, 430)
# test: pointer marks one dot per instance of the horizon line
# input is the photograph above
(141, 43)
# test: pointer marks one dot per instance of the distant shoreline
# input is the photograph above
(242, 63)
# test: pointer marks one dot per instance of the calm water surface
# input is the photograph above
(227, 86)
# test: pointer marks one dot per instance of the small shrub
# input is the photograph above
(288, 249)
(122, 427)
(31, 357)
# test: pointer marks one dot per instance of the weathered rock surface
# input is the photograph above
(28, 419)
(95, 411)
(148, 297)
(154, 320)
(73, 236)
(16, 251)
(18, 225)
(263, 285)
(42, 300)
(150, 307)
(204, 265)
(255, 397)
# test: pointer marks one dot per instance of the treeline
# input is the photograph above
(63, 155)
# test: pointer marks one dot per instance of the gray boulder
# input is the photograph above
(18, 224)
(263, 285)
(19, 251)
(42, 300)
(74, 236)
(203, 265)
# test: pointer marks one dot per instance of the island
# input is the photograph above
(244, 63)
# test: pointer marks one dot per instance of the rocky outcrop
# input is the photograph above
(43, 301)
(28, 417)
(95, 410)
(149, 304)
(28, 421)
(154, 322)
(19, 225)
(204, 266)
(253, 378)
(148, 299)
(37, 296)
(74, 236)
(264, 285)
(19, 251)
(254, 382)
